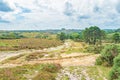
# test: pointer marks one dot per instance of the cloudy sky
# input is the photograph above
(57, 14)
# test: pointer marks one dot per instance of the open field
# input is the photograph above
(75, 64)
(59, 40)
(49, 58)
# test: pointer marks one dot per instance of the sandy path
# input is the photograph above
(73, 59)
(5, 55)
(82, 60)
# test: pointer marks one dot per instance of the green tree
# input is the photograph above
(118, 30)
(61, 36)
(75, 36)
(93, 34)
(116, 38)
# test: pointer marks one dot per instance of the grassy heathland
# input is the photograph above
(30, 43)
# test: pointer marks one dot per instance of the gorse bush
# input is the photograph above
(94, 49)
(115, 72)
(107, 55)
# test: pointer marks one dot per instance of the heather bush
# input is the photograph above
(115, 72)
(108, 54)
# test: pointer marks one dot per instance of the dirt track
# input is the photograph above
(84, 60)
(73, 59)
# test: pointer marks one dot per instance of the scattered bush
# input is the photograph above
(94, 49)
(99, 61)
(49, 72)
(115, 72)
(107, 55)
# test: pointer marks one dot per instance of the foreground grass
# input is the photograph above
(33, 72)
(84, 73)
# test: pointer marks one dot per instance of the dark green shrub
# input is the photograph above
(98, 48)
(94, 49)
(115, 72)
(108, 54)
(99, 61)
(89, 49)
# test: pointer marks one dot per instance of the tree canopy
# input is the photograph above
(93, 34)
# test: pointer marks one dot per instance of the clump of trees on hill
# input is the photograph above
(90, 35)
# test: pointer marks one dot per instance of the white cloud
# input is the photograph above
(49, 14)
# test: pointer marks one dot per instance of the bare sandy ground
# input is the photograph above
(73, 59)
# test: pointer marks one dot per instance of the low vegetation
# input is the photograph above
(84, 73)
(108, 54)
(115, 72)
(35, 55)
(92, 40)
(33, 72)
(94, 49)
(18, 44)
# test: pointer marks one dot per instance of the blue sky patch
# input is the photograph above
(4, 7)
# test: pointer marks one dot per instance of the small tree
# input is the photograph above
(61, 36)
(107, 55)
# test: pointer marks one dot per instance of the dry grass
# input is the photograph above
(31, 43)
(27, 72)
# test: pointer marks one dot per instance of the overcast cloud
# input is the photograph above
(57, 14)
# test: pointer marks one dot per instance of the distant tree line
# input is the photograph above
(74, 36)
(11, 35)
(92, 35)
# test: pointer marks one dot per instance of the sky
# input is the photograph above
(57, 14)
